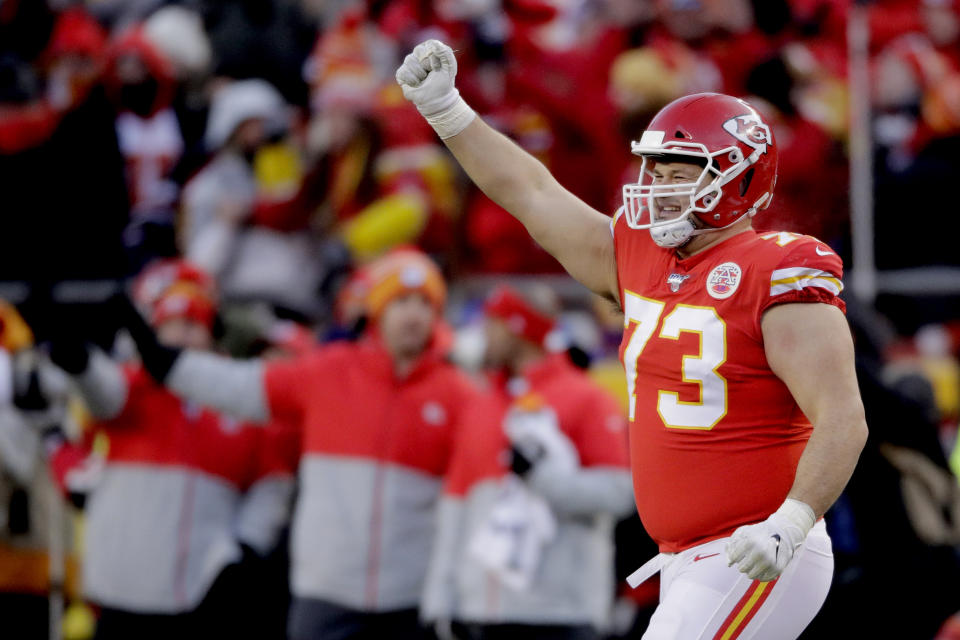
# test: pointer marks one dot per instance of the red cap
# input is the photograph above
(134, 42)
(184, 300)
(520, 317)
(76, 33)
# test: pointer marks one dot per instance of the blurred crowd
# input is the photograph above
(243, 169)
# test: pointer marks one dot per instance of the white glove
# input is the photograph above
(427, 80)
(763, 550)
(536, 433)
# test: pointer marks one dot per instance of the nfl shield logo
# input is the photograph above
(675, 280)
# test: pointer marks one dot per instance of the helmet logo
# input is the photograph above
(724, 280)
(750, 130)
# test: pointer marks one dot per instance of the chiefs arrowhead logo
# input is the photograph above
(750, 130)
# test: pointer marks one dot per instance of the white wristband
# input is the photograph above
(452, 120)
(798, 513)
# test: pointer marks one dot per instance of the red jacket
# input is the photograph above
(590, 417)
(182, 486)
(574, 581)
(375, 448)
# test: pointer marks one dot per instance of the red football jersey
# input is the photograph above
(715, 435)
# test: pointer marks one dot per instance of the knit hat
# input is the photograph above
(243, 100)
(403, 270)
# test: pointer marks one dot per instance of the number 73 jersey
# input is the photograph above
(715, 435)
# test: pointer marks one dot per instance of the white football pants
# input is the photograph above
(701, 598)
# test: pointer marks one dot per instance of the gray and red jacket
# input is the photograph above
(181, 489)
(375, 450)
(574, 583)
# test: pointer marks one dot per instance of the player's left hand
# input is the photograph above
(763, 550)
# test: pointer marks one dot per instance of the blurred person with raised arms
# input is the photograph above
(538, 478)
(185, 492)
(378, 416)
(746, 420)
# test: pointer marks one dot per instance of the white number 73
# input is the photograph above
(700, 369)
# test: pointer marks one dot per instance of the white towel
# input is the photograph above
(511, 540)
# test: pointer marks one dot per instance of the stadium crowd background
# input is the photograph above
(110, 110)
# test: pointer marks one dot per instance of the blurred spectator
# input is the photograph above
(184, 495)
(38, 567)
(896, 481)
(811, 175)
(526, 79)
(378, 418)
(386, 180)
(524, 547)
(722, 30)
(30, 116)
(645, 79)
(941, 22)
(917, 130)
(270, 572)
(141, 84)
(349, 317)
(241, 219)
(64, 200)
(178, 33)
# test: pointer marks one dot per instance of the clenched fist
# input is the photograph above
(427, 79)
(763, 550)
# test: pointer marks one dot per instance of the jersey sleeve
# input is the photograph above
(613, 222)
(808, 271)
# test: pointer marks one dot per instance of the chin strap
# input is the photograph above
(681, 231)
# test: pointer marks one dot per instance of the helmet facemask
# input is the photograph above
(644, 201)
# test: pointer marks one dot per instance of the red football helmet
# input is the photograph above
(735, 149)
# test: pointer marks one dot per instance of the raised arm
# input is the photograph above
(577, 235)
(235, 387)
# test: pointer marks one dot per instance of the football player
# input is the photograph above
(745, 417)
